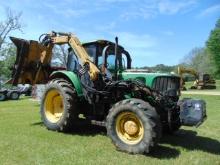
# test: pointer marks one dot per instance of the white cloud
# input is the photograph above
(68, 9)
(132, 9)
(151, 8)
(72, 13)
(112, 1)
(131, 40)
(141, 12)
(173, 7)
(105, 27)
(79, 8)
(141, 47)
(146, 10)
(167, 33)
(210, 10)
(126, 9)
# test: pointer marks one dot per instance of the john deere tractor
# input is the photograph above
(98, 83)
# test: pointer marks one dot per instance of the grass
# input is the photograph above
(24, 140)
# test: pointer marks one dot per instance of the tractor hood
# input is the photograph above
(32, 65)
(159, 81)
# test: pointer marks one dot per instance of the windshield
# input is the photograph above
(104, 52)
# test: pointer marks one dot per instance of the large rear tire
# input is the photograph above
(59, 106)
(133, 126)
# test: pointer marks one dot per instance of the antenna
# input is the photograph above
(116, 58)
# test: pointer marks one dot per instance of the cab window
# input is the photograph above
(91, 50)
(59, 56)
(111, 62)
(124, 61)
(72, 63)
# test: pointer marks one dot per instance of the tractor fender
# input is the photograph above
(71, 77)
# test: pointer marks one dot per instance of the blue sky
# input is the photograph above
(153, 31)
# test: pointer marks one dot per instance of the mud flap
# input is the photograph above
(32, 65)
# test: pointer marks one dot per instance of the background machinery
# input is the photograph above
(14, 93)
(99, 84)
(202, 81)
(11, 94)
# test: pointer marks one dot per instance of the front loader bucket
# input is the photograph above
(32, 65)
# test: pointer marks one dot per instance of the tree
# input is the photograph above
(213, 46)
(9, 58)
(200, 60)
(189, 58)
(160, 68)
(11, 23)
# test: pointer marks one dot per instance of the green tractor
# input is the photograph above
(135, 106)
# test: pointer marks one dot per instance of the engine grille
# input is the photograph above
(164, 84)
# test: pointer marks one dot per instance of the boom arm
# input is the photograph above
(73, 41)
(32, 65)
(182, 70)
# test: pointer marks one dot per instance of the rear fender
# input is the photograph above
(71, 77)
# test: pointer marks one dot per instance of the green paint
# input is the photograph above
(74, 79)
(146, 77)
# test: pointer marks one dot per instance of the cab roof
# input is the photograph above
(101, 42)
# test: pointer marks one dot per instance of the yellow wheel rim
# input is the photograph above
(53, 105)
(129, 128)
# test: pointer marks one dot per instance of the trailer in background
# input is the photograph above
(15, 93)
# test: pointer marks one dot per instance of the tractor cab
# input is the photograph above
(103, 54)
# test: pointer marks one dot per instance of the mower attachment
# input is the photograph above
(32, 62)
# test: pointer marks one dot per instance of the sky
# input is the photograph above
(153, 31)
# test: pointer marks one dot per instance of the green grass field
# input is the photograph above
(24, 140)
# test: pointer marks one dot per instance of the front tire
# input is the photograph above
(3, 96)
(133, 126)
(59, 106)
(14, 95)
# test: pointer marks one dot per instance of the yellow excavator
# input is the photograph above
(202, 81)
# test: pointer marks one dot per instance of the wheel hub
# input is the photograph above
(53, 106)
(131, 127)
